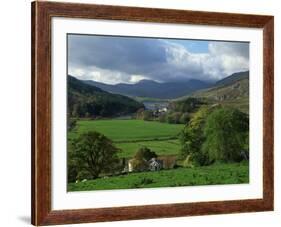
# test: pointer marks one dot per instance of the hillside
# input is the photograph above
(232, 91)
(89, 101)
(233, 78)
(153, 89)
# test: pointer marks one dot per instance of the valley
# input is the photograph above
(154, 116)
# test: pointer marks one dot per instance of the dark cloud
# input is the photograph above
(130, 55)
(161, 60)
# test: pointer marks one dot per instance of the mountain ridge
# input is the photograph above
(153, 89)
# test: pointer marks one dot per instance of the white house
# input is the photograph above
(155, 165)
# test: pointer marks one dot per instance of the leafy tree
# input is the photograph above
(226, 131)
(93, 153)
(192, 138)
(145, 153)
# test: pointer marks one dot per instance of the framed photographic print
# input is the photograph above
(144, 113)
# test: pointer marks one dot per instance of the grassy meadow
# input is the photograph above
(234, 173)
(130, 135)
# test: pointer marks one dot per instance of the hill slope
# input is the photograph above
(233, 78)
(90, 101)
(153, 89)
(232, 91)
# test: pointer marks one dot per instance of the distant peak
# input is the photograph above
(146, 81)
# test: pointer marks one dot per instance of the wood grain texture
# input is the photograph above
(42, 12)
(41, 115)
(268, 113)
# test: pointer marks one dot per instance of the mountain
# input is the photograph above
(153, 89)
(233, 78)
(89, 101)
(230, 91)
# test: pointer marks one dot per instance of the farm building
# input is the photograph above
(155, 164)
(169, 161)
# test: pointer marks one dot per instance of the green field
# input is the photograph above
(165, 147)
(129, 135)
(236, 173)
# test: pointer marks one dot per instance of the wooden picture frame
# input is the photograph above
(42, 13)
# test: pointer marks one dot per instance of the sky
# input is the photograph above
(112, 59)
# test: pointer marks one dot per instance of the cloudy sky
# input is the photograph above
(112, 60)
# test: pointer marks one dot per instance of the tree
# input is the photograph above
(192, 138)
(226, 131)
(93, 153)
(145, 153)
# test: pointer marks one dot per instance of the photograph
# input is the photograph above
(150, 112)
(145, 113)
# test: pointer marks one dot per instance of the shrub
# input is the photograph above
(145, 153)
(139, 164)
